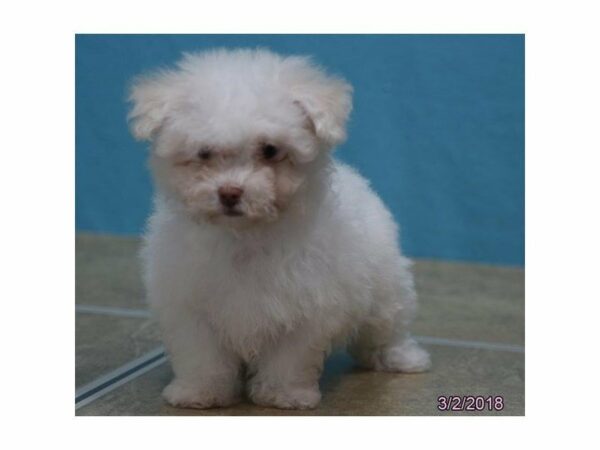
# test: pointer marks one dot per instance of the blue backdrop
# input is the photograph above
(438, 128)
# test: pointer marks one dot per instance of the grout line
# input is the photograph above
(111, 387)
(113, 311)
(112, 380)
(470, 344)
(139, 366)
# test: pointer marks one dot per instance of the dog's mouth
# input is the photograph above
(232, 212)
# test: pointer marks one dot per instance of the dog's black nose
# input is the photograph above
(230, 195)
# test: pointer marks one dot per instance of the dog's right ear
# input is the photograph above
(150, 97)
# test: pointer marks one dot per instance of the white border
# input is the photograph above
(562, 220)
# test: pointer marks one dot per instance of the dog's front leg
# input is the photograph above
(206, 374)
(286, 374)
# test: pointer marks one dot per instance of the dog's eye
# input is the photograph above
(271, 153)
(204, 154)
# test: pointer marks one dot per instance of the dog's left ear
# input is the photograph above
(325, 100)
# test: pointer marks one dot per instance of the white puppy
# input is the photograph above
(263, 252)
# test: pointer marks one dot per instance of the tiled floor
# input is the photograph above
(471, 319)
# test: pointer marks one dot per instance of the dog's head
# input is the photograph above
(235, 134)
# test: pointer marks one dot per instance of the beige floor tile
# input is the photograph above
(107, 271)
(103, 343)
(470, 301)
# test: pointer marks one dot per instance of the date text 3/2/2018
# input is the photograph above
(470, 403)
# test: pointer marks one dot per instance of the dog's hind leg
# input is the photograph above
(383, 341)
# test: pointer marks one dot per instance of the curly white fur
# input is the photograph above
(309, 260)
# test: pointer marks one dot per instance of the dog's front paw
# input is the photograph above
(285, 398)
(189, 396)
